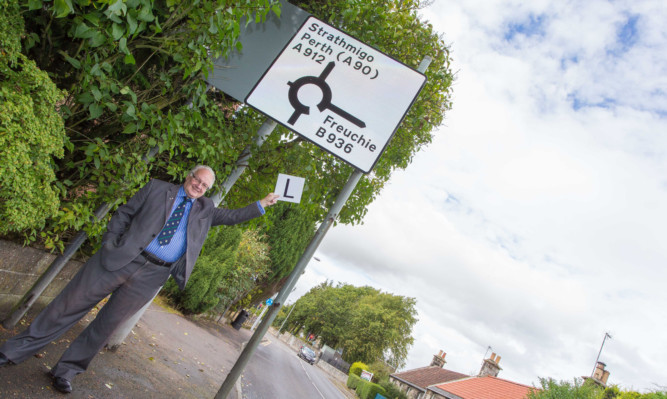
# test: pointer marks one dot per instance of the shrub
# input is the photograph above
(392, 391)
(217, 259)
(31, 134)
(368, 390)
(11, 28)
(353, 381)
(357, 368)
(380, 370)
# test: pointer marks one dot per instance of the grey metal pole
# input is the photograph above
(242, 163)
(285, 321)
(256, 338)
(250, 348)
(30, 297)
(123, 330)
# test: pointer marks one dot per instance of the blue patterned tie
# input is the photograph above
(172, 224)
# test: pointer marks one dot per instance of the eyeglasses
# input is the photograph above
(199, 181)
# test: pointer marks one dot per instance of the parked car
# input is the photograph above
(307, 354)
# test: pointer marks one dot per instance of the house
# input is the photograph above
(486, 387)
(435, 382)
(415, 382)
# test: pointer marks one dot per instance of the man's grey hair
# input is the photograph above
(196, 168)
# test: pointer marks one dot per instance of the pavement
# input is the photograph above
(166, 356)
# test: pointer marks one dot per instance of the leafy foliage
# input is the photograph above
(291, 229)
(231, 262)
(392, 391)
(369, 390)
(353, 381)
(579, 389)
(395, 28)
(11, 27)
(364, 389)
(253, 265)
(31, 134)
(131, 73)
(380, 370)
(218, 257)
(357, 367)
(366, 322)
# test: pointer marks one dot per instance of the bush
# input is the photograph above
(11, 28)
(392, 391)
(368, 390)
(353, 381)
(380, 370)
(365, 389)
(31, 133)
(357, 367)
(217, 258)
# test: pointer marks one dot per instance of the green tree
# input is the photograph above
(367, 323)
(219, 256)
(133, 75)
(131, 70)
(392, 26)
(391, 390)
(290, 230)
(31, 133)
(580, 389)
(552, 389)
(252, 265)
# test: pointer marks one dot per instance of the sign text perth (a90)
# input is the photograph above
(337, 92)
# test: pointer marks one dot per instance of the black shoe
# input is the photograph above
(4, 361)
(62, 384)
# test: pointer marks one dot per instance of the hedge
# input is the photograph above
(365, 389)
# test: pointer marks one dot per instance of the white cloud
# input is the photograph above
(534, 222)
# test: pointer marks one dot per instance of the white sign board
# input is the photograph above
(289, 188)
(337, 92)
(366, 375)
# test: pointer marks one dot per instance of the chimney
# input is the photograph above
(600, 374)
(439, 359)
(490, 366)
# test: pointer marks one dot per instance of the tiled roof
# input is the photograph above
(425, 376)
(485, 388)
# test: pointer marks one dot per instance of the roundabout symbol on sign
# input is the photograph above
(320, 82)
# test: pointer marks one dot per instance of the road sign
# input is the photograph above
(337, 92)
(269, 302)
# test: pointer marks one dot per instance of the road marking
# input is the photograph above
(311, 381)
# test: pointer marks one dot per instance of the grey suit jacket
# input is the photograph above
(134, 225)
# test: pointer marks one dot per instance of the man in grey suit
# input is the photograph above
(159, 232)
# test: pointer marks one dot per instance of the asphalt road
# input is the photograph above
(276, 372)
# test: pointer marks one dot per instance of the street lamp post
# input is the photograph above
(293, 306)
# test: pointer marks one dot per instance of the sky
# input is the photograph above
(534, 222)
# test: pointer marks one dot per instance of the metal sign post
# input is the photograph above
(256, 338)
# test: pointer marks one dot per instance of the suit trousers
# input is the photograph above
(131, 287)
